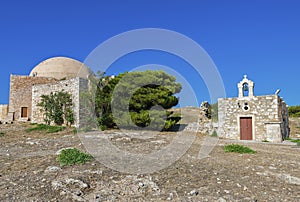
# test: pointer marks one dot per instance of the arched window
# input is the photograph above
(245, 89)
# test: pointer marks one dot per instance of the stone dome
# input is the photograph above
(60, 68)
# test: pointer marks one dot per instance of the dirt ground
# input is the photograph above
(29, 171)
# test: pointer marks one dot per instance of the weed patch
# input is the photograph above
(295, 140)
(47, 128)
(239, 149)
(214, 134)
(73, 156)
(2, 134)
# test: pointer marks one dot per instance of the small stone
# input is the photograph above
(194, 193)
(221, 200)
(51, 169)
(170, 197)
(227, 191)
(30, 142)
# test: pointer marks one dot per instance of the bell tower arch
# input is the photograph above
(246, 88)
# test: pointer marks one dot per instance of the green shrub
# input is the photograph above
(238, 149)
(72, 156)
(47, 128)
(1, 134)
(294, 111)
(214, 134)
(265, 141)
(57, 108)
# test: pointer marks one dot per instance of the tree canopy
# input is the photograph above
(294, 111)
(137, 99)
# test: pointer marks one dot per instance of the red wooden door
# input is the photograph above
(246, 128)
(23, 112)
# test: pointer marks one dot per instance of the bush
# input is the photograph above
(73, 156)
(1, 134)
(57, 108)
(294, 111)
(238, 149)
(47, 128)
(214, 134)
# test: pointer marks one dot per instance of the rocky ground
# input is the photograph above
(29, 170)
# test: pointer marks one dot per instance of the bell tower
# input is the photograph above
(246, 87)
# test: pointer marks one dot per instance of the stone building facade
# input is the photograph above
(72, 86)
(52, 75)
(250, 117)
(3, 112)
(20, 101)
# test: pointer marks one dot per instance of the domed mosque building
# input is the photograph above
(52, 75)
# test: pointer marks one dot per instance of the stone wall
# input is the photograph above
(21, 94)
(284, 116)
(72, 86)
(3, 112)
(264, 110)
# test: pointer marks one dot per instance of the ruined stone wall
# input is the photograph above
(262, 109)
(21, 93)
(3, 112)
(72, 86)
(283, 114)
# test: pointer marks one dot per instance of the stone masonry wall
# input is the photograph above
(3, 112)
(283, 114)
(21, 93)
(71, 86)
(262, 109)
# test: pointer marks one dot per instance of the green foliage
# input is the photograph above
(73, 156)
(57, 108)
(265, 141)
(47, 128)
(2, 134)
(214, 134)
(238, 149)
(295, 140)
(134, 102)
(294, 111)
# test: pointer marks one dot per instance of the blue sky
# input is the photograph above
(260, 38)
